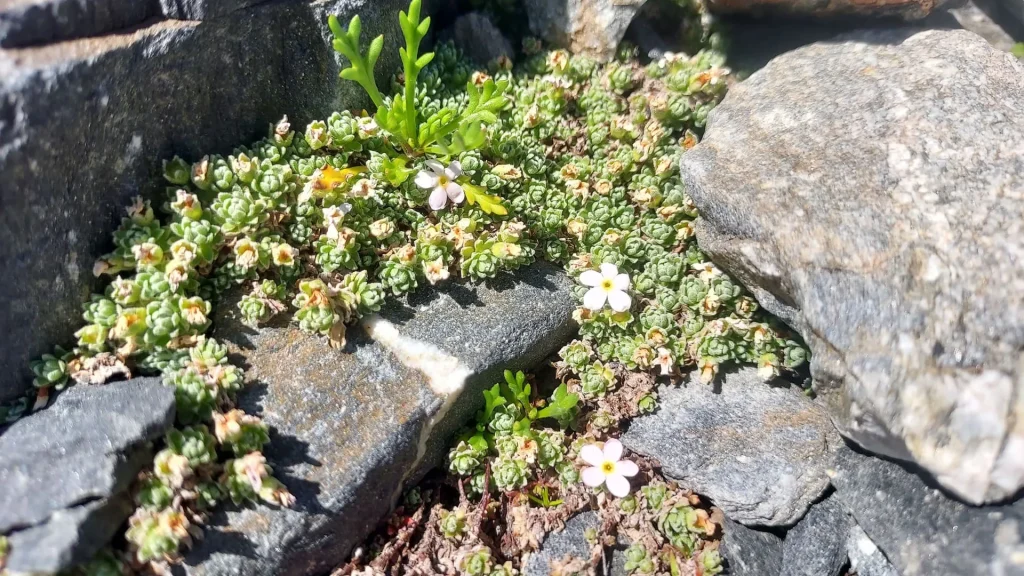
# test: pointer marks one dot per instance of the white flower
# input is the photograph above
(606, 467)
(608, 285)
(333, 215)
(441, 181)
(665, 361)
(708, 271)
(435, 271)
(364, 188)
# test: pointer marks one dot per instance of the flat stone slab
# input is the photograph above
(921, 530)
(759, 452)
(869, 191)
(351, 427)
(64, 470)
(29, 22)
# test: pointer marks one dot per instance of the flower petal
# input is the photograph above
(454, 170)
(612, 450)
(594, 299)
(619, 300)
(593, 476)
(617, 485)
(621, 282)
(426, 180)
(609, 270)
(438, 198)
(455, 192)
(626, 468)
(591, 278)
(592, 455)
(435, 167)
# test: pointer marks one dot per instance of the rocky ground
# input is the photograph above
(868, 190)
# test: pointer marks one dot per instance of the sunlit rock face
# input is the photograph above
(352, 427)
(870, 192)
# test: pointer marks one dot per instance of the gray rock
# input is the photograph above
(908, 9)
(351, 427)
(203, 9)
(590, 27)
(817, 545)
(28, 22)
(112, 107)
(560, 547)
(759, 452)
(867, 192)
(480, 39)
(65, 470)
(865, 558)
(921, 530)
(749, 552)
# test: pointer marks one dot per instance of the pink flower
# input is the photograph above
(606, 467)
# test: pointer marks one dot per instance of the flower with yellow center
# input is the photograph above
(606, 286)
(247, 253)
(147, 254)
(607, 467)
(284, 254)
(441, 182)
(183, 251)
(436, 271)
(176, 273)
(194, 310)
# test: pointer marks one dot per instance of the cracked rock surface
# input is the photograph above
(64, 470)
(870, 192)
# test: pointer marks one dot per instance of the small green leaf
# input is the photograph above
(562, 406)
(478, 442)
(492, 399)
(488, 203)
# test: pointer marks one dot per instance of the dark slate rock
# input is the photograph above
(817, 545)
(865, 557)
(27, 22)
(867, 191)
(64, 470)
(759, 452)
(84, 125)
(749, 552)
(480, 39)
(560, 547)
(203, 9)
(921, 530)
(351, 427)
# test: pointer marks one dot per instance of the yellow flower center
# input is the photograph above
(608, 467)
(607, 284)
(442, 180)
